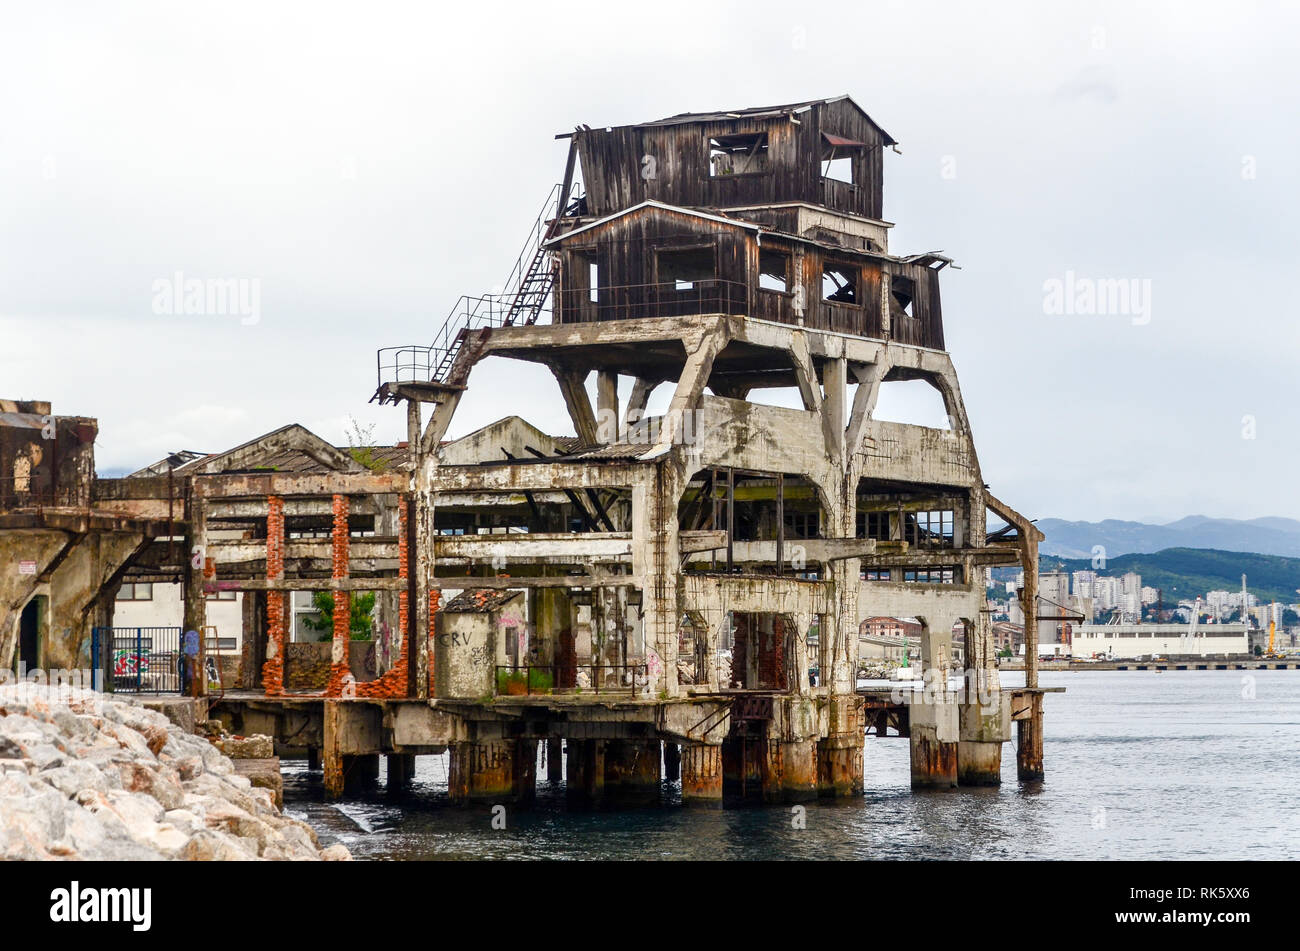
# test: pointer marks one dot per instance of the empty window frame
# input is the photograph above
(802, 524)
(942, 575)
(142, 591)
(928, 529)
(839, 156)
(773, 270)
(744, 154)
(686, 268)
(222, 596)
(874, 525)
(840, 283)
(875, 574)
(902, 296)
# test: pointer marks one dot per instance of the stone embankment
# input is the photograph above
(86, 777)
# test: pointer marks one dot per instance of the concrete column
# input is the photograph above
(1029, 748)
(839, 754)
(702, 774)
(360, 769)
(332, 754)
(934, 730)
(492, 771)
(632, 770)
(554, 760)
(985, 724)
(401, 770)
(799, 770)
(672, 762)
(586, 770)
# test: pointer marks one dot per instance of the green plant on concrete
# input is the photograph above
(362, 607)
(517, 683)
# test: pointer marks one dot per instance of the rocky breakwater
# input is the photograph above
(86, 777)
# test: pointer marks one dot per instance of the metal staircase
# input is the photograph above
(527, 294)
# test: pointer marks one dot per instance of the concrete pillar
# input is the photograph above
(702, 774)
(934, 730)
(797, 763)
(332, 754)
(586, 770)
(493, 771)
(839, 765)
(401, 770)
(672, 762)
(360, 769)
(554, 760)
(1029, 748)
(632, 770)
(985, 724)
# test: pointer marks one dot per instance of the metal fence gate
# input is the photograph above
(137, 659)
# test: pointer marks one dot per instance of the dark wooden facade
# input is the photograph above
(669, 161)
(634, 257)
(701, 214)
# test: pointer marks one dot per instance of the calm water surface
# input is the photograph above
(1140, 765)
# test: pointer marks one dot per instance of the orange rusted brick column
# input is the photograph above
(340, 669)
(394, 684)
(273, 669)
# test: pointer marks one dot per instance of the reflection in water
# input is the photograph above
(1139, 765)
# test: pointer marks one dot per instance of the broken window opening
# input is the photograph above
(593, 281)
(744, 154)
(773, 270)
(929, 529)
(902, 294)
(940, 575)
(875, 574)
(874, 525)
(838, 155)
(684, 268)
(840, 284)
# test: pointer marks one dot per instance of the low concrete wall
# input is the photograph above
(307, 665)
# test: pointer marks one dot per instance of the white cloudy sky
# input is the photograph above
(368, 163)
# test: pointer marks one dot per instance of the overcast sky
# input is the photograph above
(368, 163)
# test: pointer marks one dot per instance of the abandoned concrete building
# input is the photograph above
(668, 596)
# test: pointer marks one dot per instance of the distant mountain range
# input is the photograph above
(1184, 573)
(1266, 536)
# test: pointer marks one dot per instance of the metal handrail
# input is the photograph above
(553, 669)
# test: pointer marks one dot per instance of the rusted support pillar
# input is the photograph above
(360, 769)
(401, 770)
(934, 728)
(839, 753)
(585, 762)
(702, 774)
(333, 756)
(985, 723)
(555, 760)
(799, 770)
(1029, 748)
(494, 771)
(632, 770)
(672, 762)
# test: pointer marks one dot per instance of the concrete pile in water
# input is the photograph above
(86, 777)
